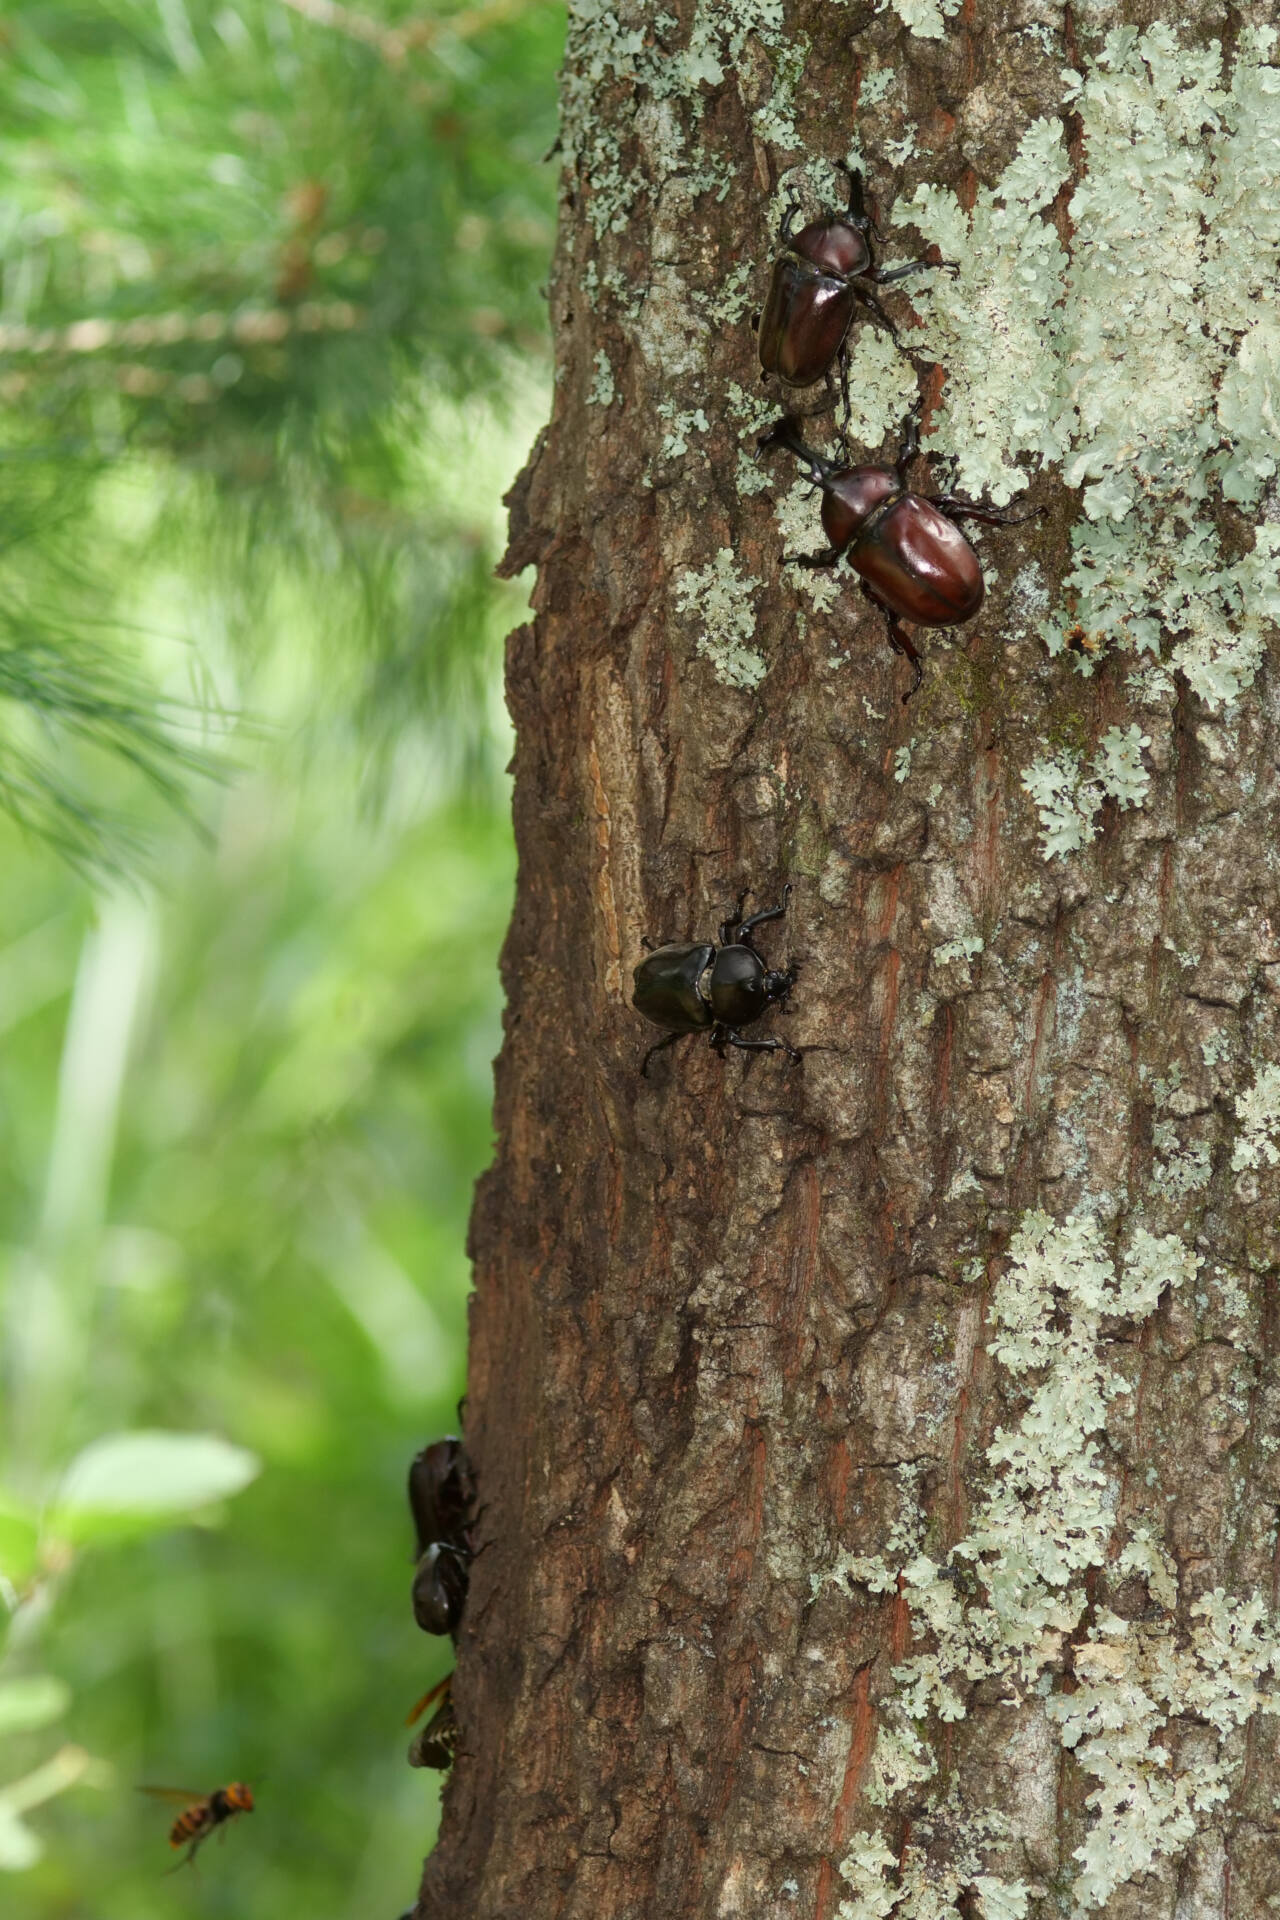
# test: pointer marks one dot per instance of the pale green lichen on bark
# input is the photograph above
(1012, 1592)
(1068, 796)
(882, 386)
(603, 391)
(1149, 362)
(1258, 1111)
(926, 18)
(603, 48)
(993, 324)
(723, 602)
(683, 423)
(793, 511)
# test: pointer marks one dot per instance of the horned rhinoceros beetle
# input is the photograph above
(914, 561)
(701, 988)
(815, 290)
(440, 1587)
(442, 1491)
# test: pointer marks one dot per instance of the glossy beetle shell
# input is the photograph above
(439, 1590)
(441, 1492)
(804, 322)
(811, 303)
(851, 497)
(834, 246)
(737, 989)
(919, 563)
(666, 987)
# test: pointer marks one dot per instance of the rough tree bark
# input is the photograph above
(878, 1454)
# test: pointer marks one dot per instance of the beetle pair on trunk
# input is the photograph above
(915, 563)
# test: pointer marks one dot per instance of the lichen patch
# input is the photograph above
(1148, 364)
(1011, 1596)
(723, 601)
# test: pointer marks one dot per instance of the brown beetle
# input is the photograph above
(442, 1491)
(815, 289)
(914, 561)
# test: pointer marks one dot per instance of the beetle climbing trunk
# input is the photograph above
(877, 1458)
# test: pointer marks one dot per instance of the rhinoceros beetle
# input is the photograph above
(914, 561)
(699, 988)
(442, 1491)
(440, 1587)
(816, 288)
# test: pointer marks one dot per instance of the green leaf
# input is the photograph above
(148, 1478)
(32, 1701)
(18, 1537)
(19, 1848)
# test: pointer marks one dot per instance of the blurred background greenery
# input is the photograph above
(272, 344)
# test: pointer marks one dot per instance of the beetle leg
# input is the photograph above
(901, 642)
(727, 926)
(772, 1045)
(873, 306)
(857, 213)
(844, 392)
(827, 558)
(957, 508)
(783, 433)
(657, 1047)
(908, 447)
(747, 927)
(788, 219)
(885, 276)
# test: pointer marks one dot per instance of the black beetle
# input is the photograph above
(915, 563)
(815, 290)
(698, 988)
(440, 1587)
(442, 1491)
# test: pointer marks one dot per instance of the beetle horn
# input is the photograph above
(784, 433)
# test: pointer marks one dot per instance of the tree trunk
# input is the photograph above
(877, 1452)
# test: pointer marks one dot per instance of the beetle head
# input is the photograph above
(785, 433)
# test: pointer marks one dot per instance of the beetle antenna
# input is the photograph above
(784, 433)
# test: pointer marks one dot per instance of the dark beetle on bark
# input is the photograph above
(814, 291)
(440, 1587)
(695, 988)
(914, 561)
(442, 1492)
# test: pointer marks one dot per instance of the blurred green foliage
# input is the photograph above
(270, 349)
(255, 249)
